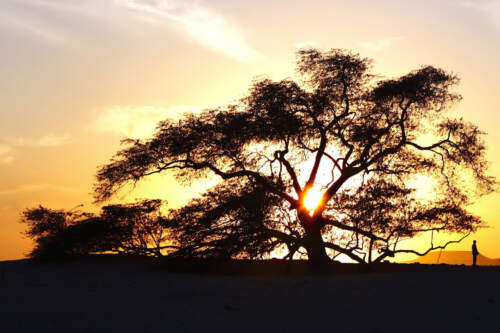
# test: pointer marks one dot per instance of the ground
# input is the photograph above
(109, 295)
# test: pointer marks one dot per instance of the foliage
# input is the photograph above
(269, 149)
(136, 228)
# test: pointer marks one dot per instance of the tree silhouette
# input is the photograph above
(137, 228)
(370, 136)
(145, 227)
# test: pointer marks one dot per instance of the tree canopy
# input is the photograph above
(359, 139)
(137, 228)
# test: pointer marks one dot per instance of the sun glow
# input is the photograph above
(312, 199)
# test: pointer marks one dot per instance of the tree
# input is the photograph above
(137, 228)
(275, 147)
(52, 231)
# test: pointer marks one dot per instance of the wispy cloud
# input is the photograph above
(203, 25)
(6, 156)
(30, 188)
(48, 140)
(38, 31)
(490, 8)
(134, 121)
(306, 44)
(10, 144)
(380, 44)
(35, 19)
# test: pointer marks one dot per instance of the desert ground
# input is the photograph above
(109, 294)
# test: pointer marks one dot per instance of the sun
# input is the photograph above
(313, 198)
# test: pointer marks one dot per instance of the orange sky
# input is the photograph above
(76, 76)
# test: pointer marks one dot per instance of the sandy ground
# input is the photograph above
(121, 297)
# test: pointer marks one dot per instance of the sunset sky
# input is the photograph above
(78, 76)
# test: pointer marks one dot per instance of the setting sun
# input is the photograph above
(313, 198)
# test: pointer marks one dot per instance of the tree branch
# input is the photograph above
(391, 253)
(342, 250)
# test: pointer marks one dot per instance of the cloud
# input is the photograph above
(30, 188)
(306, 45)
(41, 32)
(6, 156)
(380, 44)
(48, 140)
(37, 20)
(490, 8)
(206, 27)
(136, 122)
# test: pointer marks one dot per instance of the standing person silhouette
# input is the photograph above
(474, 253)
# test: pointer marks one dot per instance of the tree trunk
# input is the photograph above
(370, 250)
(314, 245)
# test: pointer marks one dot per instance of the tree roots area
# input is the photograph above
(109, 293)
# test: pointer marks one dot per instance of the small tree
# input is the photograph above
(137, 228)
(52, 231)
(272, 150)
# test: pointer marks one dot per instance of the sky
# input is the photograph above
(76, 77)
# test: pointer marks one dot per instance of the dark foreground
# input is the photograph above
(124, 294)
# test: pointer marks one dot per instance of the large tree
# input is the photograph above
(359, 140)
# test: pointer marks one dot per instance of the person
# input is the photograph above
(474, 253)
